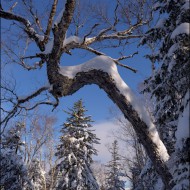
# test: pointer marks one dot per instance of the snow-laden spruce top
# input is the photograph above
(106, 64)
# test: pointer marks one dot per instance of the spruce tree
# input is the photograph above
(76, 151)
(148, 179)
(14, 174)
(170, 84)
(180, 159)
(12, 139)
(114, 172)
(37, 175)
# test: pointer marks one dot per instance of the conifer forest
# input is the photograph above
(95, 95)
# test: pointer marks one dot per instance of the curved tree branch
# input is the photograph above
(68, 80)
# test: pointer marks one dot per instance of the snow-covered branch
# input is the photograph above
(117, 35)
(113, 36)
(116, 61)
(102, 71)
(33, 13)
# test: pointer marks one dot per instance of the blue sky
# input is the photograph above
(96, 100)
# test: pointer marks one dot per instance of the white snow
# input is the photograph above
(186, 5)
(70, 39)
(40, 37)
(159, 184)
(99, 63)
(183, 124)
(50, 87)
(171, 54)
(49, 45)
(107, 65)
(72, 139)
(31, 30)
(172, 49)
(181, 29)
(146, 168)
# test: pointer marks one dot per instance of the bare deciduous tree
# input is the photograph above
(99, 171)
(135, 158)
(39, 135)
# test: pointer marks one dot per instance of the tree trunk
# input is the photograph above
(63, 86)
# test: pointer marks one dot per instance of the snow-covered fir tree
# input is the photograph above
(180, 159)
(14, 174)
(114, 169)
(148, 179)
(12, 138)
(37, 175)
(169, 85)
(75, 151)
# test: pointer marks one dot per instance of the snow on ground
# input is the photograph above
(107, 65)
